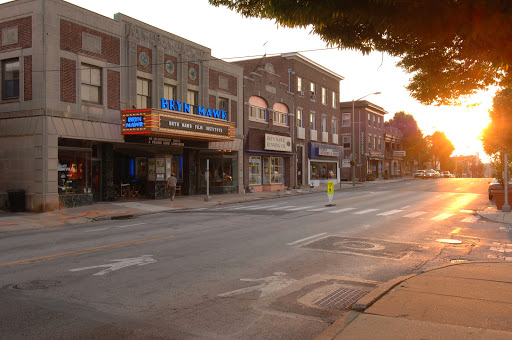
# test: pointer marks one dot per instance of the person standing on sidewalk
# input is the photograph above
(171, 184)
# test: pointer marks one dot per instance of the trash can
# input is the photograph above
(16, 199)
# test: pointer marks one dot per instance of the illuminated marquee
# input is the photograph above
(174, 105)
(134, 122)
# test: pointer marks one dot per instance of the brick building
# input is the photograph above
(369, 149)
(291, 122)
(93, 108)
(394, 156)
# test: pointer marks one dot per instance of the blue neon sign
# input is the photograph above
(168, 104)
(134, 122)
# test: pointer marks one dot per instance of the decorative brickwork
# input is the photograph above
(212, 101)
(27, 78)
(215, 80)
(234, 113)
(113, 90)
(190, 74)
(174, 61)
(24, 33)
(67, 80)
(148, 68)
(71, 40)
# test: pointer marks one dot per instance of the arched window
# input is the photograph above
(281, 114)
(258, 108)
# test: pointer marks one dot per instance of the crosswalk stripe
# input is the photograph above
(416, 214)
(261, 207)
(471, 219)
(441, 217)
(283, 207)
(319, 209)
(301, 208)
(364, 211)
(341, 210)
(391, 212)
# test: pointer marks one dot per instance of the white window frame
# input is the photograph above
(300, 89)
(344, 140)
(91, 83)
(3, 85)
(312, 121)
(257, 113)
(280, 118)
(324, 95)
(324, 123)
(143, 93)
(300, 118)
(312, 89)
(333, 99)
(334, 125)
(170, 88)
(344, 121)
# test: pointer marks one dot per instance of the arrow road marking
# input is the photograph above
(119, 264)
(270, 284)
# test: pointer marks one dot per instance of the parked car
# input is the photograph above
(420, 174)
(447, 174)
(431, 174)
(496, 185)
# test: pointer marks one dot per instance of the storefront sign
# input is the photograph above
(278, 143)
(165, 124)
(164, 141)
(345, 163)
(327, 151)
(323, 150)
(174, 105)
(376, 154)
(399, 153)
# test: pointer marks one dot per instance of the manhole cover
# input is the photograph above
(448, 240)
(342, 298)
(37, 284)
(358, 245)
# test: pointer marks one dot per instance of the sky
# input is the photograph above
(230, 36)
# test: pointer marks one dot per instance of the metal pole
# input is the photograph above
(506, 207)
(353, 145)
(207, 176)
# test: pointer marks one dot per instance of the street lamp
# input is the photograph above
(354, 137)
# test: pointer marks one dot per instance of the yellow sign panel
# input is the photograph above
(330, 187)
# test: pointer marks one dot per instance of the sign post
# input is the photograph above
(330, 193)
(207, 177)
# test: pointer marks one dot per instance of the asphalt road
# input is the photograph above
(272, 269)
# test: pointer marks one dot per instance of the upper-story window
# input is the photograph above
(300, 89)
(10, 79)
(369, 118)
(334, 99)
(224, 105)
(258, 109)
(380, 144)
(347, 142)
(334, 125)
(280, 114)
(169, 92)
(312, 121)
(193, 100)
(143, 93)
(324, 124)
(345, 119)
(300, 121)
(90, 78)
(312, 88)
(324, 96)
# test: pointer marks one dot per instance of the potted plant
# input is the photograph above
(288, 191)
(299, 188)
(250, 189)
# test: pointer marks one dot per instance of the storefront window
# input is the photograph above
(223, 170)
(74, 170)
(273, 170)
(254, 170)
(323, 170)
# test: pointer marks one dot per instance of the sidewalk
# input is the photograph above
(125, 209)
(457, 301)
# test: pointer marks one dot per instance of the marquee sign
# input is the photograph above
(153, 122)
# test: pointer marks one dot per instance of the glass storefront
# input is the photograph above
(254, 170)
(223, 171)
(323, 170)
(74, 168)
(266, 170)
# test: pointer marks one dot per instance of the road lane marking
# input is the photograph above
(119, 264)
(305, 239)
(261, 207)
(283, 207)
(438, 196)
(391, 212)
(441, 217)
(416, 214)
(407, 206)
(114, 226)
(301, 208)
(319, 209)
(458, 188)
(455, 231)
(83, 251)
(471, 219)
(364, 211)
(342, 210)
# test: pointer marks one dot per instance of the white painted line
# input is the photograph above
(199, 209)
(319, 209)
(283, 207)
(256, 207)
(416, 214)
(471, 219)
(441, 217)
(129, 225)
(458, 188)
(391, 212)
(342, 210)
(305, 239)
(301, 208)
(88, 231)
(439, 196)
(407, 206)
(364, 211)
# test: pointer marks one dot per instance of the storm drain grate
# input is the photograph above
(342, 298)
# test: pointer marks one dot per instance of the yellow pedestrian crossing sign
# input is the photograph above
(330, 187)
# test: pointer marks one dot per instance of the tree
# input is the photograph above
(412, 138)
(440, 148)
(451, 47)
(496, 137)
